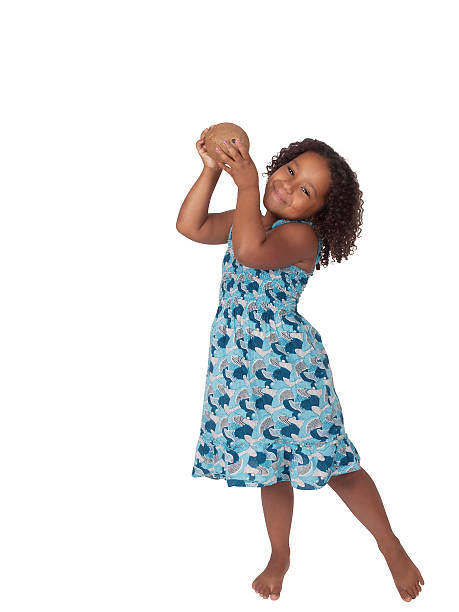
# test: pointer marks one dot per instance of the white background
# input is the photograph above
(106, 308)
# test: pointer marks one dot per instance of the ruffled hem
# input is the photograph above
(307, 465)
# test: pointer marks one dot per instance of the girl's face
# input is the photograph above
(298, 188)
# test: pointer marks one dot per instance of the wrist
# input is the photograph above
(212, 171)
(247, 188)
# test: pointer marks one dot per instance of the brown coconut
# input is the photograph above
(224, 131)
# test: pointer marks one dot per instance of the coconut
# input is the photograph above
(224, 131)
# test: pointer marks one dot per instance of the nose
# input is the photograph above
(284, 190)
(287, 187)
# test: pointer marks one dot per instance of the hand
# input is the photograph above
(202, 150)
(238, 163)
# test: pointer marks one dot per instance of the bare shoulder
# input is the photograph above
(298, 235)
(285, 245)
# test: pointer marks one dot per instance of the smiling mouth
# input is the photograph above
(278, 196)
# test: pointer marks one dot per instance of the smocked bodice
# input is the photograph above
(260, 299)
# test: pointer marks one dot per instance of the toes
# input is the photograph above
(404, 595)
(421, 579)
(275, 595)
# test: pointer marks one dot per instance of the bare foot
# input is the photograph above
(404, 572)
(269, 582)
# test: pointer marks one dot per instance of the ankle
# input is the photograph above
(280, 553)
(388, 542)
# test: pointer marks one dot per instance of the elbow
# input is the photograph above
(253, 257)
(238, 254)
(244, 257)
(185, 231)
(180, 229)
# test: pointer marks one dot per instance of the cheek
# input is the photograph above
(297, 209)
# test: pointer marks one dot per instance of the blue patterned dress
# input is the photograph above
(270, 412)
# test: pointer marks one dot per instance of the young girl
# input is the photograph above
(271, 415)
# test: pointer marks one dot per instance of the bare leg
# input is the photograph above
(359, 493)
(277, 501)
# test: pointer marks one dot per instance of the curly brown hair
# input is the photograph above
(339, 220)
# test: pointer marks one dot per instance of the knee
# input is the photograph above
(345, 480)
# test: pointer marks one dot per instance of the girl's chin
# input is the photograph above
(271, 212)
(271, 204)
(276, 208)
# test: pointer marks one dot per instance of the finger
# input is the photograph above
(242, 149)
(233, 150)
(223, 154)
(226, 155)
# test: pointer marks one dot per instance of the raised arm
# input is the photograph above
(194, 220)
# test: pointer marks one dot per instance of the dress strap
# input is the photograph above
(280, 221)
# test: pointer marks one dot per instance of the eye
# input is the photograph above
(305, 190)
